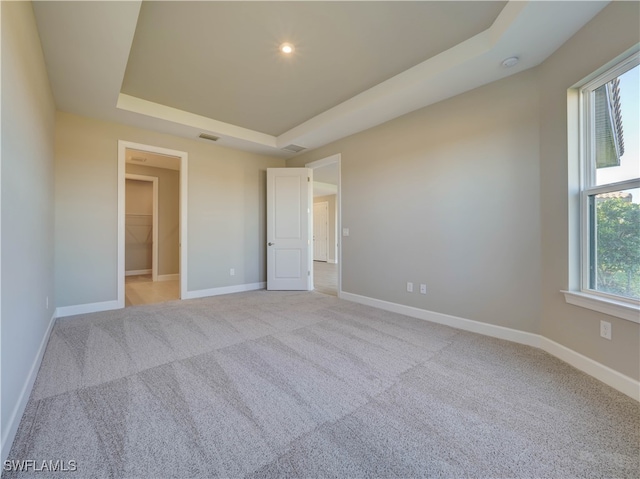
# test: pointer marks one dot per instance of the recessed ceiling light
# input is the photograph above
(287, 48)
(510, 62)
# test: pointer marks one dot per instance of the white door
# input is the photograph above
(320, 230)
(289, 223)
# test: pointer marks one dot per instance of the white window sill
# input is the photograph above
(619, 309)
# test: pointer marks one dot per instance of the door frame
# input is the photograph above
(337, 158)
(154, 220)
(326, 229)
(183, 244)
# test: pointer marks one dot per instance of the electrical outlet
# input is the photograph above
(423, 288)
(605, 329)
(232, 272)
(409, 287)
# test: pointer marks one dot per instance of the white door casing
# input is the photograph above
(289, 229)
(335, 159)
(184, 194)
(320, 231)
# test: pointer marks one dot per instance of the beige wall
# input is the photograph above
(28, 116)
(168, 213)
(138, 225)
(612, 32)
(226, 209)
(471, 196)
(448, 196)
(332, 225)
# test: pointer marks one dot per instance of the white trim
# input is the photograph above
(136, 272)
(154, 221)
(63, 311)
(329, 160)
(4, 449)
(21, 404)
(182, 244)
(199, 122)
(337, 158)
(619, 309)
(614, 69)
(610, 377)
(203, 293)
(168, 277)
(184, 157)
(587, 182)
(501, 332)
(616, 380)
(612, 187)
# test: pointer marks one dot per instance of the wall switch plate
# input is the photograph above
(345, 231)
(409, 287)
(46, 303)
(605, 329)
(232, 272)
(423, 288)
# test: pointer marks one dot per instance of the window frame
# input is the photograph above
(620, 306)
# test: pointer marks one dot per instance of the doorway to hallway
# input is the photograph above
(325, 277)
(327, 250)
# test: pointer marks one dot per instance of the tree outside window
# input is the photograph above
(611, 183)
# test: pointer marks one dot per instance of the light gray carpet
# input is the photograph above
(284, 384)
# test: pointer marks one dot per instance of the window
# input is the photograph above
(610, 186)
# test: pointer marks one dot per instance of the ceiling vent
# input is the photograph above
(138, 159)
(206, 136)
(294, 148)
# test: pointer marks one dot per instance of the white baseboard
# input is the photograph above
(168, 277)
(63, 311)
(18, 410)
(136, 272)
(603, 373)
(203, 293)
(616, 380)
(479, 327)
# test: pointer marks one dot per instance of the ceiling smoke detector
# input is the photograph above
(206, 136)
(294, 148)
(510, 62)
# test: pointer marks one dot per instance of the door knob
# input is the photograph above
(270, 244)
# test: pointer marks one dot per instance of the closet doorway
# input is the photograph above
(141, 226)
(151, 215)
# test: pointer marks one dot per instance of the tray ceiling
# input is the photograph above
(191, 67)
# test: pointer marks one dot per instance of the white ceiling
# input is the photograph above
(190, 67)
(227, 54)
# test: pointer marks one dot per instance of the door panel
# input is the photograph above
(289, 223)
(288, 196)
